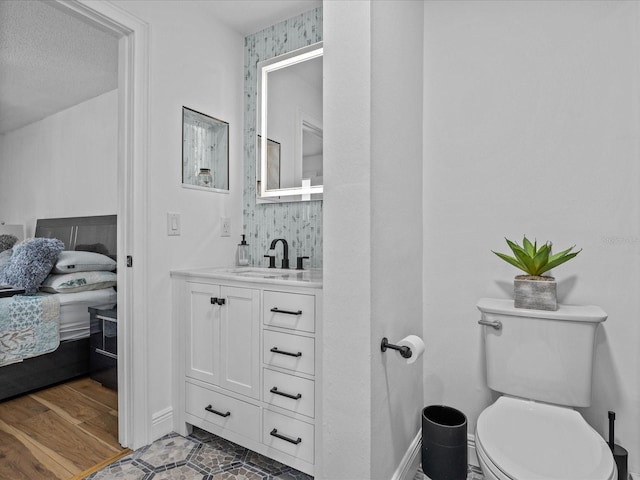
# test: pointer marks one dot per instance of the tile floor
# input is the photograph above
(201, 456)
(204, 456)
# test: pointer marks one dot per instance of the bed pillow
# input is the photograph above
(70, 261)
(7, 241)
(5, 256)
(78, 282)
(30, 263)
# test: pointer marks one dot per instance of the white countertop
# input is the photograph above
(311, 278)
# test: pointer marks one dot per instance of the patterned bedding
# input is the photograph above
(29, 326)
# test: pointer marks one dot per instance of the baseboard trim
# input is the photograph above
(411, 461)
(161, 423)
(472, 457)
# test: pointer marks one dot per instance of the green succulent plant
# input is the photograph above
(533, 260)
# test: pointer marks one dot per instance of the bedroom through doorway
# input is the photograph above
(105, 17)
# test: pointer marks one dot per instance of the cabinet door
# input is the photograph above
(202, 324)
(240, 341)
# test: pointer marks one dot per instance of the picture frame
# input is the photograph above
(273, 164)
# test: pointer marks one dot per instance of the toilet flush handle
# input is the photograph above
(497, 324)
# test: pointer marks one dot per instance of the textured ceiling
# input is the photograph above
(50, 61)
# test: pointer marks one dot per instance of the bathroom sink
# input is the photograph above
(258, 271)
(278, 275)
(253, 273)
(274, 273)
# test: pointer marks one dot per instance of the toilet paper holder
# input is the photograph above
(404, 350)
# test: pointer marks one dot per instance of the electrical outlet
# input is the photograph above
(225, 229)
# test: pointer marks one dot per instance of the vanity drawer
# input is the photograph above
(288, 435)
(279, 388)
(300, 308)
(243, 418)
(292, 352)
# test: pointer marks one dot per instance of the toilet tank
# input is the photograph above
(539, 354)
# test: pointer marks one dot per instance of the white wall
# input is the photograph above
(61, 166)
(373, 235)
(196, 62)
(532, 126)
(396, 226)
(347, 348)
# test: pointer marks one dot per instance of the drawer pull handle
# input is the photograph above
(288, 395)
(288, 312)
(210, 409)
(274, 433)
(282, 352)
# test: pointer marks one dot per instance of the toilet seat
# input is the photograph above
(525, 440)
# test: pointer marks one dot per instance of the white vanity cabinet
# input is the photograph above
(289, 359)
(222, 325)
(246, 361)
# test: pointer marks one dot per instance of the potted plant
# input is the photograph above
(535, 290)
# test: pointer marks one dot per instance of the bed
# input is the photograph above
(71, 358)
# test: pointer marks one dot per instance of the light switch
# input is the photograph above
(173, 223)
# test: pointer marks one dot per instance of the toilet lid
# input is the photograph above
(536, 441)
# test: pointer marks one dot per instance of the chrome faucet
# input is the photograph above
(285, 251)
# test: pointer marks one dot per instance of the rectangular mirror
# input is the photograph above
(289, 126)
(205, 151)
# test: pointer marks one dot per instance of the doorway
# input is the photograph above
(133, 418)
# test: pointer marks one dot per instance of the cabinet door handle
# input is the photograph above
(282, 352)
(217, 301)
(210, 409)
(288, 312)
(288, 395)
(274, 433)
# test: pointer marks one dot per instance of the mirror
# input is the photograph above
(289, 126)
(205, 152)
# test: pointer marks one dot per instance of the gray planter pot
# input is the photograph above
(537, 293)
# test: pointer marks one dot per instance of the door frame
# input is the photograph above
(134, 418)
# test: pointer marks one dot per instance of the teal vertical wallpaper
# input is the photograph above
(300, 223)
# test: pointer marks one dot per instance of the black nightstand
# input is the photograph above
(103, 357)
(9, 291)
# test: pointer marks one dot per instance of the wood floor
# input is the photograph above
(59, 432)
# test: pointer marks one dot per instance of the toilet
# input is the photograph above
(541, 363)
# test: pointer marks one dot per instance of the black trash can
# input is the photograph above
(444, 443)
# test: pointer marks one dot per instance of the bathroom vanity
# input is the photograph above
(246, 358)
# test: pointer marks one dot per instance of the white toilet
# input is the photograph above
(541, 361)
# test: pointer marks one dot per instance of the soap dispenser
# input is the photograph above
(243, 253)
